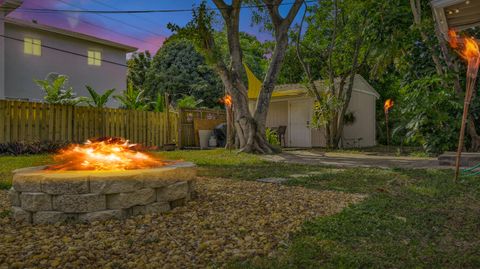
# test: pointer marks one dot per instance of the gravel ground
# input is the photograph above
(229, 220)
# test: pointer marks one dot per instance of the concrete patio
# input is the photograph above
(339, 159)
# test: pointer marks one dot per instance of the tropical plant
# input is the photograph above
(188, 101)
(430, 112)
(133, 98)
(159, 104)
(272, 137)
(324, 109)
(57, 90)
(96, 99)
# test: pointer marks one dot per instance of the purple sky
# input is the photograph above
(145, 31)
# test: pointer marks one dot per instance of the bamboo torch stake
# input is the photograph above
(466, 105)
(471, 78)
(388, 129)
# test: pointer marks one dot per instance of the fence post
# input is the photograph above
(179, 127)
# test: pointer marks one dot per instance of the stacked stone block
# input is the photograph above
(39, 196)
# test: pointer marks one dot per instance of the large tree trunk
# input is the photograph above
(250, 127)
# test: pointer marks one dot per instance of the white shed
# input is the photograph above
(292, 107)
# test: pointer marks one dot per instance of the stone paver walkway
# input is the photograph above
(316, 157)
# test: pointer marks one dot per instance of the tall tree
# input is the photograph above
(179, 70)
(250, 127)
(346, 36)
(138, 66)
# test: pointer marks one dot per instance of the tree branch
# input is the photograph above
(272, 7)
(305, 66)
(292, 13)
(223, 7)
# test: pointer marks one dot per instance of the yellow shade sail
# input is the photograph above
(254, 84)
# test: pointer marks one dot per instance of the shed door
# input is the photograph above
(300, 134)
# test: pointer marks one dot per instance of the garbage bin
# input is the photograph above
(204, 136)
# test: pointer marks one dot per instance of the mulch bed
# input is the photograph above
(230, 219)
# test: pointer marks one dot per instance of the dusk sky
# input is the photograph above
(145, 31)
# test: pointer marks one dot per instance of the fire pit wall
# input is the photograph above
(39, 196)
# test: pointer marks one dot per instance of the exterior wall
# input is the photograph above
(318, 138)
(362, 132)
(278, 116)
(2, 59)
(21, 69)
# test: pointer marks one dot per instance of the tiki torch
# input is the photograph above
(230, 139)
(386, 107)
(468, 49)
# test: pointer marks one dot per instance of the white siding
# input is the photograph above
(278, 116)
(363, 107)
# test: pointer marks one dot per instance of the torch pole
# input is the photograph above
(388, 129)
(472, 70)
(461, 139)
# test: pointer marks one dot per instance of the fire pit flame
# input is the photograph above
(104, 154)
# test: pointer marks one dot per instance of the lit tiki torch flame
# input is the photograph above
(468, 49)
(227, 100)
(386, 107)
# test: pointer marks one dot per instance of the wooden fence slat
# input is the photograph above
(2, 122)
(15, 115)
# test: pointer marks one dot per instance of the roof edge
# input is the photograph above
(70, 33)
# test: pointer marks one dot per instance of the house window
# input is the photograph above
(94, 58)
(32, 46)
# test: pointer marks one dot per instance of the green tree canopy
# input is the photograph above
(179, 70)
(138, 66)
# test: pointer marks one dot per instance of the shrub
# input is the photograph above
(272, 137)
(38, 147)
(188, 101)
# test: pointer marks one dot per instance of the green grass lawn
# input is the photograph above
(412, 218)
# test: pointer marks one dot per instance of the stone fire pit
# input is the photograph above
(41, 196)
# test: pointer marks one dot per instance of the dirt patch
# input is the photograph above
(230, 219)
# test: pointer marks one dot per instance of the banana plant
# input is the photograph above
(57, 90)
(96, 99)
(159, 103)
(133, 98)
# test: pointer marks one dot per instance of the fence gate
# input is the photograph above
(186, 128)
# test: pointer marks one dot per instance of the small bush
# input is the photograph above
(272, 137)
(38, 147)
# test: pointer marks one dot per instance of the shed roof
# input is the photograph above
(78, 35)
(297, 90)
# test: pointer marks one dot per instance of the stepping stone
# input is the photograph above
(274, 180)
(299, 175)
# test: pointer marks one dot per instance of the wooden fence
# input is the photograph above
(29, 121)
(186, 118)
